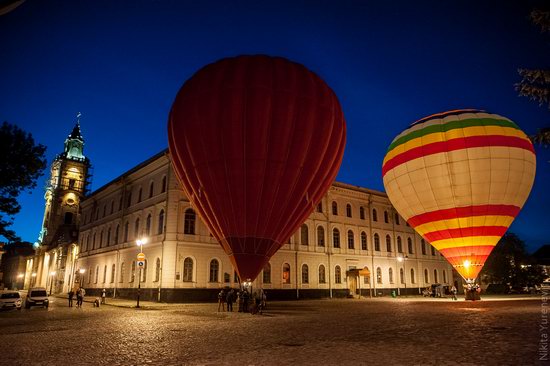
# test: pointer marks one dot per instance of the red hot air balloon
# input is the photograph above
(256, 141)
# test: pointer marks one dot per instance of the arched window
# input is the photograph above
(136, 228)
(93, 241)
(320, 207)
(96, 274)
(126, 229)
(129, 199)
(320, 236)
(305, 273)
(88, 242)
(189, 224)
(401, 275)
(423, 246)
(322, 277)
(378, 275)
(376, 242)
(101, 239)
(160, 228)
(304, 234)
(144, 272)
(386, 217)
(436, 280)
(364, 240)
(444, 276)
(113, 273)
(108, 236)
(286, 273)
(413, 279)
(120, 203)
(133, 272)
(139, 194)
(362, 213)
(266, 275)
(151, 189)
(337, 274)
(374, 215)
(348, 210)
(214, 270)
(410, 245)
(334, 208)
(397, 221)
(90, 275)
(388, 243)
(157, 270)
(426, 276)
(105, 274)
(399, 245)
(112, 206)
(121, 272)
(148, 225)
(390, 275)
(432, 249)
(336, 238)
(163, 184)
(188, 270)
(351, 241)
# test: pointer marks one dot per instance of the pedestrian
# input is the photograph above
(453, 292)
(245, 298)
(79, 297)
(221, 300)
(103, 295)
(229, 300)
(71, 294)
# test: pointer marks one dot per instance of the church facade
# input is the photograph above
(353, 243)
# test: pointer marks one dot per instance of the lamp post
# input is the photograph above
(141, 257)
(52, 273)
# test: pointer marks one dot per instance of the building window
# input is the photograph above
(104, 210)
(144, 271)
(348, 210)
(133, 272)
(336, 238)
(90, 275)
(105, 274)
(351, 241)
(236, 278)
(286, 273)
(378, 275)
(401, 275)
(101, 239)
(374, 215)
(426, 276)
(139, 194)
(432, 248)
(266, 275)
(363, 240)
(410, 245)
(320, 236)
(126, 229)
(214, 270)
(96, 274)
(189, 223)
(444, 276)
(188, 270)
(88, 242)
(390, 275)
(93, 242)
(334, 208)
(112, 206)
(148, 225)
(226, 277)
(362, 213)
(116, 234)
(151, 189)
(376, 242)
(436, 279)
(136, 228)
(305, 274)
(423, 246)
(157, 270)
(113, 273)
(120, 203)
(163, 184)
(108, 236)
(304, 234)
(129, 199)
(399, 245)
(337, 274)
(397, 221)
(322, 278)
(413, 279)
(386, 217)
(320, 207)
(160, 228)
(388, 243)
(121, 272)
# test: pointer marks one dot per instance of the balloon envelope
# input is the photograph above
(460, 178)
(256, 141)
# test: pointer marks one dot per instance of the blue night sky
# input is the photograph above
(121, 64)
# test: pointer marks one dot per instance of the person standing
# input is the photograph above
(229, 300)
(71, 294)
(453, 292)
(79, 297)
(103, 295)
(221, 300)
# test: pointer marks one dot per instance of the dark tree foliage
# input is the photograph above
(535, 83)
(21, 163)
(510, 264)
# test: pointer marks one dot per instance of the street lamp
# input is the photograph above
(52, 273)
(81, 271)
(401, 259)
(141, 257)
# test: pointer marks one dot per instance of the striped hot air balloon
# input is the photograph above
(460, 178)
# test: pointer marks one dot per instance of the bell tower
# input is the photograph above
(66, 187)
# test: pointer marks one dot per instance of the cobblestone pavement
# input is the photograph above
(322, 332)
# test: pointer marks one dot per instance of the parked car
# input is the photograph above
(10, 300)
(37, 296)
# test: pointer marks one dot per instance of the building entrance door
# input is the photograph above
(352, 282)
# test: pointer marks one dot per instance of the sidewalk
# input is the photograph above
(126, 303)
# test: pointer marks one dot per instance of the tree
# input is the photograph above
(21, 163)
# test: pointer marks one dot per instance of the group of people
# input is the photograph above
(80, 292)
(243, 299)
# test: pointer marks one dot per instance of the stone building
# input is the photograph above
(353, 243)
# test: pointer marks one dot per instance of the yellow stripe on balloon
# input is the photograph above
(470, 241)
(464, 222)
(453, 134)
